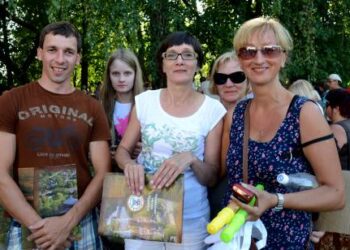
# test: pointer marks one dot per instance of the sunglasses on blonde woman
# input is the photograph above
(235, 77)
(268, 51)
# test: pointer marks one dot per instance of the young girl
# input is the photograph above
(122, 81)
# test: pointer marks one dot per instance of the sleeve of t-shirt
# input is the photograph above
(217, 112)
(100, 130)
(142, 103)
(8, 112)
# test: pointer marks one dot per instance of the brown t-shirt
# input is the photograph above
(52, 129)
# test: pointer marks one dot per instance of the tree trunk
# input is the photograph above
(84, 58)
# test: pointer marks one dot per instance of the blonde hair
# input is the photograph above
(304, 88)
(222, 59)
(261, 25)
(107, 90)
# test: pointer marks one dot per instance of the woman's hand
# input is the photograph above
(171, 169)
(135, 176)
(264, 201)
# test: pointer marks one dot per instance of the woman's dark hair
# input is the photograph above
(175, 39)
(339, 98)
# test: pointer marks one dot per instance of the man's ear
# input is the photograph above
(39, 52)
(77, 62)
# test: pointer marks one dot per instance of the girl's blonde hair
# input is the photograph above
(261, 25)
(108, 93)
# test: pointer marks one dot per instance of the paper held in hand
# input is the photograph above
(52, 191)
(154, 215)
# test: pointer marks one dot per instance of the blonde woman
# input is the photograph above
(122, 82)
(227, 80)
(304, 88)
(281, 125)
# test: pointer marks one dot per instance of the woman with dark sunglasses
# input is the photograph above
(280, 124)
(228, 81)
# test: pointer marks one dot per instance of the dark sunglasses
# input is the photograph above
(269, 51)
(236, 77)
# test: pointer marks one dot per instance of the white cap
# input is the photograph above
(282, 179)
(334, 77)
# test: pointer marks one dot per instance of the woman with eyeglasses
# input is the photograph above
(286, 134)
(181, 134)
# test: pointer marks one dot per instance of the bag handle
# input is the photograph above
(245, 142)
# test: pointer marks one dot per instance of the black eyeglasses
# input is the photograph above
(172, 56)
(236, 77)
(269, 51)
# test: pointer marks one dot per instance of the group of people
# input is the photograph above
(172, 131)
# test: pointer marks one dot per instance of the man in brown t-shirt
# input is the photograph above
(48, 123)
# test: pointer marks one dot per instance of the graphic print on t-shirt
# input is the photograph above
(46, 138)
(121, 117)
(39, 139)
(161, 142)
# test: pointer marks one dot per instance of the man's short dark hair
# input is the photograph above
(339, 98)
(60, 28)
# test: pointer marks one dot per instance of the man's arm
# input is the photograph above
(11, 197)
(101, 162)
(54, 231)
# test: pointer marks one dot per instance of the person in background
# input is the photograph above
(338, 110)
(334, 81)
(181, 134)
(304, 88)
(228, 81)
(280, 125)
(50, 123)
(122, 82)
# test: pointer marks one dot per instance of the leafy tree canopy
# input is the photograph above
(320, 29)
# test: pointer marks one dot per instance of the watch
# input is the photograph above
(280, 202)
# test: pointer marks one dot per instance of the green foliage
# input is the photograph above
(320, 29)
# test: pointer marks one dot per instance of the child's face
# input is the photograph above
(122, 76)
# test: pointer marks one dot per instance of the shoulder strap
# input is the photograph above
(245, 142)
(295, 97)
(322, 138)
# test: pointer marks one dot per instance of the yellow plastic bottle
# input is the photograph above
(222, 218)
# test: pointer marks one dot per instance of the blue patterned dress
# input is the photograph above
(287, 229)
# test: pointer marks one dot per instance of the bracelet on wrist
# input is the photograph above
(280, 202)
